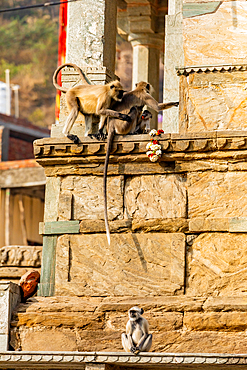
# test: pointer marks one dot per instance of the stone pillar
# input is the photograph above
(92, 27)
(174, 57)
(91, 44)
(146, 56)
(9, 297)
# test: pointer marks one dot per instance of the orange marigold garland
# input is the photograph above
(154, 149)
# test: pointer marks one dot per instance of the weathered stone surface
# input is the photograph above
(16, 255)
(216, 265)
(65, 205)
(224, 31)
(134, 264)
(88, 197)
(52, 191)
(200, 342)
(166, 225)
(208, 224)
(157, 304)
(214, 321)
(217, 195)
(160, 196)
(225, 304)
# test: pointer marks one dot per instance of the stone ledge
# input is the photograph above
(136, 145)
(70, 360)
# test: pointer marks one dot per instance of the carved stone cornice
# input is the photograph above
(71, 360)
(132, 148)
(211, 69)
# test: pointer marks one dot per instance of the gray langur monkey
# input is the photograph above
(140, 96)
(89, 99)
(143, 124)
(136, 339)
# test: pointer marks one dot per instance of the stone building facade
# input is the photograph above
(178, 226)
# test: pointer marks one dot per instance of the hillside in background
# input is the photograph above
(29, 46)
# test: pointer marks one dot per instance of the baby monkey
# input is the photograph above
(143, 124)
(136, 339)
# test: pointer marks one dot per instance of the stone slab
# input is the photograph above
(217, 195)
(217, 265)
(87, 193)
(134, 264)
(214, 321)
(160, 196)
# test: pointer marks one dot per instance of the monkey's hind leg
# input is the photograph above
(127, 343)
(69, 123)
(146, 344)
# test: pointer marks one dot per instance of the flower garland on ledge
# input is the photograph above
(154, 149)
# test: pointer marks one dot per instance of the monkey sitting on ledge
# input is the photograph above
(136, 339)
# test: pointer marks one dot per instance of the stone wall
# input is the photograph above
(178, 234)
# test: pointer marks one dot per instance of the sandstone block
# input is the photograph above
(52, 191)
(216, 265)
(88, 201)
(217, 195)
(160, 196)
(159, 304)
(223, 321)
(65, 205)
(134, 264)
(225, 304)
(222, 45)
(200, 342)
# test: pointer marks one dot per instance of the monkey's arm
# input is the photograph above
(114, 114)
(129, 332)
(152, 103)
(163, 106)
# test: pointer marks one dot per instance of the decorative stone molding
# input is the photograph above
(172, 145)
(211, 68)
(69, 360)
(15, 255)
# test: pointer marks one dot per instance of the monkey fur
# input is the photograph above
(143, 124)
(134, 101)
(136, 339)
(89, 99)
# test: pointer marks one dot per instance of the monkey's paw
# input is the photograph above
(125, 117)
(74, 138)
(133, 349)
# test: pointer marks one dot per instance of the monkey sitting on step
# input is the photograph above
(89, 99)
(136, 339)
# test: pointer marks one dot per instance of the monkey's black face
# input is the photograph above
(120, 94)
(133, 314)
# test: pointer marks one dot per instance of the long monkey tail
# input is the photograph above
(109, 144)
(83, 76)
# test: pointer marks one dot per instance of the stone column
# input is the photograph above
(174, 57)
(146, 56)
(91, 44)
